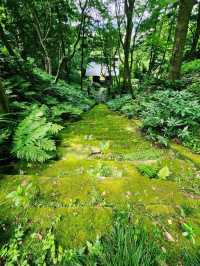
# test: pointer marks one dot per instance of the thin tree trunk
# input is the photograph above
(196, 34)
(42, 37)
(171, 28)
(153, 50)
(82, 52)
(185, 9)
(3, 101)
(128, 7)
(136, 34)
(67, 59)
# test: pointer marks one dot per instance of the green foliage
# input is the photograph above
(171, 114)
(12, 252)
(153, 171)
(195, 89)
(129, 110)
(125, 105)
(64, 110)
(30, 87)
(24, 195)
(130, 244)
(38, 250)
(33, 137)
(188, 231)
(119, 102)
(168, 114)
(148, 170)
(104, 146)
(191, 258)
(191, 67)
(7, 124)
(127, 243)
(102, 170)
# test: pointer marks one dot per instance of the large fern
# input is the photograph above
(33, 137)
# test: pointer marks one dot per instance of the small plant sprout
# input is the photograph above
(188, 232)
(23, 195)
(105, 146)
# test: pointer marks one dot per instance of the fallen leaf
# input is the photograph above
(169, 237)
(164, 173)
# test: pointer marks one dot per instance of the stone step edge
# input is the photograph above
(186, 153)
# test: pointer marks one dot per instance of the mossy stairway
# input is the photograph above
(97, 172)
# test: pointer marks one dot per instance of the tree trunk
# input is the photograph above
(170, 31)
(66, 60)
(153, 50)
(185, 9)
(128, 7)
(196, 34)
(42, 36)
(82, 51)
(3, 101)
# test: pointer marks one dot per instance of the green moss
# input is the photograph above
(185, 152)
(99, 125)
(76, 224)
(97, 170)
(160, 210)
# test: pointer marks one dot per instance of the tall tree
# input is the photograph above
(128, 9)
(184, 12)
(196, 33)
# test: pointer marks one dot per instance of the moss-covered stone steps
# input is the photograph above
(96, 172)
(186, 153)
(73, 226)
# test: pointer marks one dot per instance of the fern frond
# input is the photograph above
(32, 139)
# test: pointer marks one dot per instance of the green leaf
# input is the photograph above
(164, 173)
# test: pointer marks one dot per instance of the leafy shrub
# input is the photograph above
(125, 105)
(171, 114)
(34, 86)
(129, 110)
(195, 89)
(151, 84)
(38, 251)
(119, 102)
(166, 114)
(64, 110)
(33, 137)
(191, 67)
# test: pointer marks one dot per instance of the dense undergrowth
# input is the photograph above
(37, 108)
(126, 243)
(168, 111)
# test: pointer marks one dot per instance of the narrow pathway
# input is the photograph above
(97, 170)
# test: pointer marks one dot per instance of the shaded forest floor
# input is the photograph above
(98, 170)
